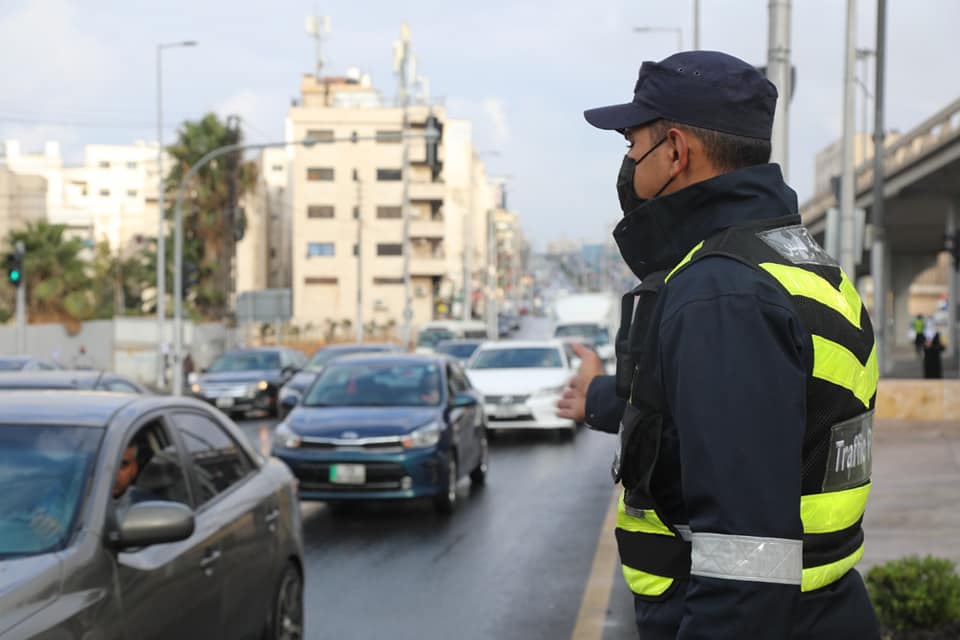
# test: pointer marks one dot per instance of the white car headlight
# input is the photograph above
(426, 436)
(285, 438)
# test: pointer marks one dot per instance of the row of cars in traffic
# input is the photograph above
(127, 514)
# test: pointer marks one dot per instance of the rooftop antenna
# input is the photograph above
(318, 27)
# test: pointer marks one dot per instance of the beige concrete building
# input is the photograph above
(22, 200)
(342, 191)
(111, 197)
(263, 259)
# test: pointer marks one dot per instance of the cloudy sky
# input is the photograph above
(522, 70)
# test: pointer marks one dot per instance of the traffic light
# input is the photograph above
(191, 276)
(15, 268)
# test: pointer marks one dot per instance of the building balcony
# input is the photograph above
(427, 190)
(426, 228)
(418, 152)
(426, 265)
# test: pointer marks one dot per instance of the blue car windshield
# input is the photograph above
(520, 358)
(245, 361)
(44, 472)
(322, 357)
(362, 384)
(458, 350)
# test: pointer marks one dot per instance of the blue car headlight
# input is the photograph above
(285, 438)
(426, 436)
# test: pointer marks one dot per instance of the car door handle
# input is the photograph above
(272, 517)
(209, 559)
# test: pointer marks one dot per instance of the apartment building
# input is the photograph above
(264, 257)
(347, 207)
(22, 200)
(111, 196)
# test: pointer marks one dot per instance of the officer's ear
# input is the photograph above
(678, 149)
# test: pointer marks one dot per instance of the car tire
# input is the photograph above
(478, 477)
(446, 501)
(286, 612)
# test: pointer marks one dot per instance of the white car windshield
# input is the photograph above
(44, 472)
(520, 358)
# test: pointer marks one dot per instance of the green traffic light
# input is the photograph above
(14, 275)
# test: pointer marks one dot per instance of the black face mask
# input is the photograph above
(629, 200)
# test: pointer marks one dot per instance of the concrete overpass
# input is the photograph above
(921, 204)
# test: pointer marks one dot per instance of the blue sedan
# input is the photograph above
(386, 426)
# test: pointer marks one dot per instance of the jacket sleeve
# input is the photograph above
(604, 407)
(732, 366)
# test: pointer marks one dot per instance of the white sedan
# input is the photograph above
(521, 382)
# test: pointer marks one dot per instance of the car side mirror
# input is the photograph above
(290, 401)
(154, 522)
(463, 400)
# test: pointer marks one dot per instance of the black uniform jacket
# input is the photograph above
(732, 367)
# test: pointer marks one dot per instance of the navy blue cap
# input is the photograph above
(705, 89)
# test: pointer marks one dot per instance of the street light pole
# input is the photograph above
(676, 30)
(848, 261)
(696, 24)
(161, 227)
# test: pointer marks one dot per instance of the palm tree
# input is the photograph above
(59, 286)
(213, 224)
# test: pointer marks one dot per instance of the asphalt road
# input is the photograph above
(512, 562)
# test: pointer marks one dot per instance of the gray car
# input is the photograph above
(142, 517)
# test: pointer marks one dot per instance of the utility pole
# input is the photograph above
(696, 24)
(878, 253)
(22, 301)
(780, 74)
(359, 319)
(848, 261)
(492, 325)
(468, 244)
(402, 64)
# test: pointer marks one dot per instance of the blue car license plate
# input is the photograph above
(348, 474)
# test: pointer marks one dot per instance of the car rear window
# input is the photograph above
(519, 358)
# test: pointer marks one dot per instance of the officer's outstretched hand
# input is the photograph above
(573, 403)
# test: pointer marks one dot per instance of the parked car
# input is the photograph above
(27, 363)
(439, 330)
(247, 379)
(142, 517)
(386, 426)
(82, 380)
(459, 349)
(521, 383)
(292, 392)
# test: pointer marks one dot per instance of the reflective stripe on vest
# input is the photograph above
(835, 364)
(685, 260)
(641, 582)
(833, 511)
(747, 558)
(826, 574)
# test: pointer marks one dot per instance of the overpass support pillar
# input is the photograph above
(952, 332)
(904, 270)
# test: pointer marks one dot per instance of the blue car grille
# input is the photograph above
(315, 476)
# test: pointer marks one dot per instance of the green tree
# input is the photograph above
(213, 223)
(121, 283)
(58, 279)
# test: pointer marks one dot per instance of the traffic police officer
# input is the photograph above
(746, 377)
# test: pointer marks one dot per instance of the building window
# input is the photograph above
(355, 249)
(389, 175)
(323, 136)
(389, 250)
(389, 212)
(383, 281)
(320, 211)
(131, 193)
(131, 165)
(320, 249)
(104, 164)
(320, 174)
(389, 137)
(277, 168)
(356, 212)
(319, 280)
(273, 252)
(105, 193)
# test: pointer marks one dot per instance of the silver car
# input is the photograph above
(142, 517)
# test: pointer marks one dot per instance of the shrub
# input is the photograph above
(915, 593)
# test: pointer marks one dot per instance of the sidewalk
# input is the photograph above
(914, 505)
